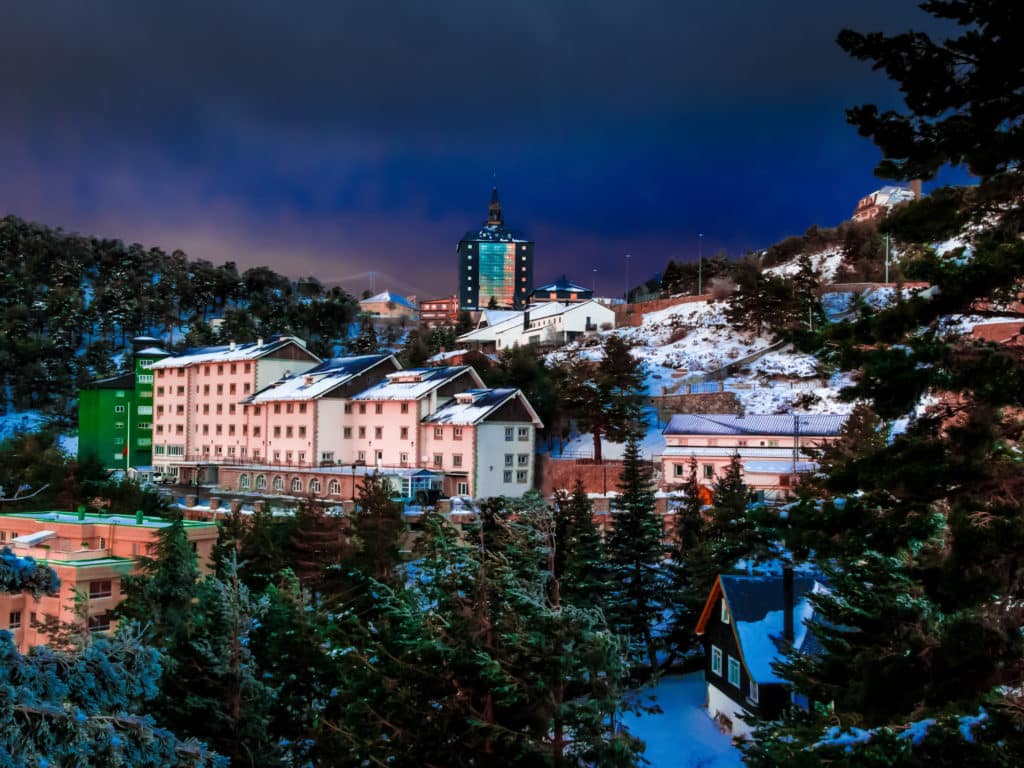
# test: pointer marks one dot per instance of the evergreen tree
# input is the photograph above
(580, 562)
(378, 527)
(734, 529)
(634, 548)
(606, 399)
(366, 343)
(321, 543)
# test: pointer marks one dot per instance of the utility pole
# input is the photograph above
(887, 258)
(700, 263)
(625, 295)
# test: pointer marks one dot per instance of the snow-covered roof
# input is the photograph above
(475, 405)
(440, 357)
(562, 284)
(515, 320)
(32, 539)
(812, 424)
(231, 353)
(414, 383)
(685, 451)
(781, 467)
(388, 296)
(318, 381)
(757, 611)
(149, 351)
(495, 316)
(493, 234)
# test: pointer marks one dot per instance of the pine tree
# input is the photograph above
(580, 563)
(733, 528)
(634, 548)
(321, 542)
(378, 527)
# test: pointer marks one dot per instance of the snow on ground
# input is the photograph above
(965, 323)
(21, 422)
(826, 263)
(582, 446)
(68, 444)
(780, 397)
(683, 736)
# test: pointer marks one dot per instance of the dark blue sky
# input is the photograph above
(332, 138)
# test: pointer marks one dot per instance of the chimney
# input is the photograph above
(915, 187)
(81, 512)
(526, 320)
(138, 517)
(259, 342)
(787, 603)
(231, 346)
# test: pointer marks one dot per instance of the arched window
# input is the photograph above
(278, 483)
(334, 488)
(261, 482)
(296, 485)
(243, 482)
(314, 485)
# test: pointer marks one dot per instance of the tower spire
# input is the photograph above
(494, 210)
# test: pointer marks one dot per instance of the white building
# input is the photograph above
(553, 324)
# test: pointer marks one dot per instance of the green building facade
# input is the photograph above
(115, 415)
(495, 265)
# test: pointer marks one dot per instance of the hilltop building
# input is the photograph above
(553, 324)
(769, 446)
(495, 263)
(90, 553)
(435, 312)
(389, 306)
(878, 204)
(563, 290)
(115, 415)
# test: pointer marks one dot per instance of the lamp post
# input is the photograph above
(887, 258)
(595, 281)
(626, 294)
(700, 263)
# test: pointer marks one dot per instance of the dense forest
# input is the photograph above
(70, 304)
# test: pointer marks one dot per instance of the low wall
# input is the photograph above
(708, 402)
(633, 314)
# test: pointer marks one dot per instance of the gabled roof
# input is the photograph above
(318, 381)
(562, 284)
(755, 605)
(475, 405)
(414, 383)
(515, 319)
(440, 357)
(231, 353)
(122, 381)
(388, 296)
(812, 424)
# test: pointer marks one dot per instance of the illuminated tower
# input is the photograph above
(494, 262)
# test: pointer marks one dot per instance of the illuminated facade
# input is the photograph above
(494, 263)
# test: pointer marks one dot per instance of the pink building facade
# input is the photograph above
(771, 448)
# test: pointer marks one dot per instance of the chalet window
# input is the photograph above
(725, 612)
(524, 433)
(438, 433)
(509, 433)
(456, 433)
(753, 692)
(508, 459)
(523, 459)
(734, 672)
(716, 660)
(521, 476)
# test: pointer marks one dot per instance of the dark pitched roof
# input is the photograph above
(563, 284)
(122, 381)
(811, 424)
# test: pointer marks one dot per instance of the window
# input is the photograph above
(206, 429)
(456, 433)
(302, 457)
(220, 408)
(521, 476)
(509, 433)
(220, 389)
(405, 408)
(118, 409)
(677, 470)
(261, 482)
(462, 488)
(348, 408)
(378, 433)
(302, 407)
(709, 471)
(145, 378)
(438, 433)
(14, 620)
(716, 660)
(524, 433)
(734, 672)
(100, 623)
(145, 410)
(346, 433)
(288, 408)
(243, 482)
(159, 390)
(231, 389)
(327, 456)
(361, 456)
(725, 612)
(378, 408)
(288, 456)
(256, 431)
(524, 459)
(206, 389)
(508, 459)
(231, 429)
(257, 410)
(507, 476)
(219, 429)
(278, 483)
(245, 389)
(753, 696)
(287, 431)
(438, 460)
(456, 459)
(206, 408)
(334, 488)
(99, 589)
(248, 368)
(362, 407)
(302, 431)
(277, 431)
(403, 459)
(277, 407)
(362, 433)
(314, 485)
(404, 433)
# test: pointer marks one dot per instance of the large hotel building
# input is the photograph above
(494, 263)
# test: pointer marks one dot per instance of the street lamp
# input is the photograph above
(626, 295)
(700, 263)
(595, 280)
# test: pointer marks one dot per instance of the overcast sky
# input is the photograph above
(332, 138)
